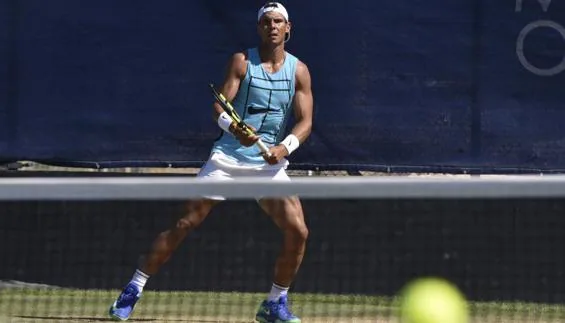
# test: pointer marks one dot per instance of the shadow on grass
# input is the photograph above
(99, 319)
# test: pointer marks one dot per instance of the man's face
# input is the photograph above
(272, 28)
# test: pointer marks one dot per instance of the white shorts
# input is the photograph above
(223, 168)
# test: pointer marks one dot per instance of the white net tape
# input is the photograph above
(124, 188)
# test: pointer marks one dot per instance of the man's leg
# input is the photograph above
(161, 250)
(168, 241)
(288, 216)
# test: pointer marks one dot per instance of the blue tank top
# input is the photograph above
(264, 101)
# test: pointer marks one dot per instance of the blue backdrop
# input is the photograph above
(429, 85)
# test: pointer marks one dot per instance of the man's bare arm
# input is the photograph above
(303, 106)
(303, 103)
(235, 72)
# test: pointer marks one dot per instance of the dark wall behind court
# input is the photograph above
(492, 249)
(470, 85)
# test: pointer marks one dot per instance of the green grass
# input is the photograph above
(64, 305)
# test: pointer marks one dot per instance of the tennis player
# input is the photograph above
(265, 84)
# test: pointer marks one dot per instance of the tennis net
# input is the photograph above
(69, 245)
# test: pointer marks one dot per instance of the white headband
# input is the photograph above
(272, 6)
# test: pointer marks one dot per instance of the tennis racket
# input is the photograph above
(226, 105)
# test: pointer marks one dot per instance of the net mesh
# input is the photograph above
(67, 260)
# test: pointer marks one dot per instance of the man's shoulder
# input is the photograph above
(238, 62)
(299, 63)
(244, 54)
(302, 74)
(301, 68)
(239, 57)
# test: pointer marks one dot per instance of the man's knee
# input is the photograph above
(301, 229)
(302, 233)
(196, 212)
(187, 223)
(298, 230)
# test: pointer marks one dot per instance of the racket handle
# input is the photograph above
(263, 147)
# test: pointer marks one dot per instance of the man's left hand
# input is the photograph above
(277, 153)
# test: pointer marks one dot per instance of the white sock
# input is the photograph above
(139, 279)
(277, 292)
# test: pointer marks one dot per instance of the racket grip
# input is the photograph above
(263, 147)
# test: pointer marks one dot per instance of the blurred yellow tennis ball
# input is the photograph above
(432, 300)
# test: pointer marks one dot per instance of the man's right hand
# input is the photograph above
(244, 138)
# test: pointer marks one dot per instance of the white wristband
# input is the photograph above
(225, 121)
(291, 143)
